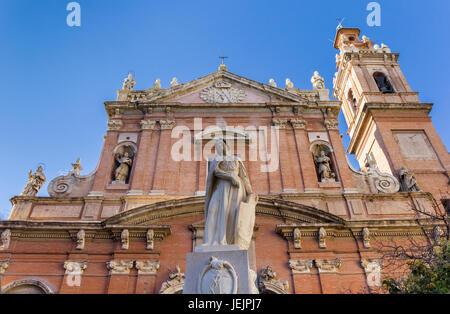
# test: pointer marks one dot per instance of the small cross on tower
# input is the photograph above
(223, 67)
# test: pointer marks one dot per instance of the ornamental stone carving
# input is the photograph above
(6, 239)
(328, 266)
(317, 81)
(222, 92)
(157, 84)
(148, 125)
(128, 83)
(167, 124)
(76, 168)
(3, 266)
(298, 124)
(322, 238)
(75, 268)
(81, 239)
(147, 267)
(174, 82)
(381, 182)
(280, 123)
(119, 267)
(372, 268)
(35, 182)
(323, 163)
(300, 266)
(150, 239)
(437, 233)
(115, 125)
(272, 83)
(366, 238)
(175, 282)
(289, 83)
(332, 124)
(125, 239)
(268, 281)
(218, 277)
(408, 180)
(297, 238)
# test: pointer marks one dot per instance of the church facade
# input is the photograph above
(128, 226)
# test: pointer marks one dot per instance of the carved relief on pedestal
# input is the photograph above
(268, 281)
(147, 267)
(301, 266)
(75, 268)
(3, 266)
(328, 266)
(218, 277)
(119, 267)
(222, 92)
(175, 283)
(6, 239)
(372, 268)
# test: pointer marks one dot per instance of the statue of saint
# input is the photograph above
(408, 181)
(123, 170)
(35, 182)
(230, 203)
(318, 81)
(323, 166)
(128, 83)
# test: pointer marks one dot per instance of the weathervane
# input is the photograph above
(340, 20)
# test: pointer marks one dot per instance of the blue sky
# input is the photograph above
(55, 78)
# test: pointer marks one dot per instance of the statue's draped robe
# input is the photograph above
(223, 200)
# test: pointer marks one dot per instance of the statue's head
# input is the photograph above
(322, 153)
(221, 147)
(39, 169)
(126, 154)
(316, 73)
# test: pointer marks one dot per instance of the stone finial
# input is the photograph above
(125, 239)
(385, 48)
(317, 81)
(157, 84)
(35, 182)
(272, 83)
(3, 266)
(150, 239)
(328, 266)
(147, 267)
(174, 82)
(300, 266)
(174, 283)
(297, 238)
(268, 280)
(289, 83)
(128, 83)
(366, 238)
(223, 67)
(365, 39)
(322, 238)
(119, 267)
(76, 167)
(75, 268)
(115, 125)
(6, 239)
(81, 239)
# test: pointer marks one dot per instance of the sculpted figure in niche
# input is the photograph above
(124, 161)
(35, 182)
(408, 181)
(324, 168)
(228, 196)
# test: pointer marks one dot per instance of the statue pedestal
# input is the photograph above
(219, 271)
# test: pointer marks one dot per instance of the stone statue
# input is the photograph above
(157, 84)
(35, 182)
(289, 83)
(324, 168)
(123, 170)
(317, 81)
(230, 203)
(272, 83)
(408, 182)
(174, 82)
(76, 167)
(128, 83)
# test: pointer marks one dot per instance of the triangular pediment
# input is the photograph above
(224, 87)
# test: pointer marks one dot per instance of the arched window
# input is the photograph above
(383, 83)
(27, 286)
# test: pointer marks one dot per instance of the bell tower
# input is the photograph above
(385, 117)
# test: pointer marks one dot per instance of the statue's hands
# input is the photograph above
(235, 182)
